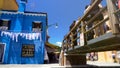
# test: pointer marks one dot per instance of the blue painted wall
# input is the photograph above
(6, 41)
(22, 22)
(32, 5)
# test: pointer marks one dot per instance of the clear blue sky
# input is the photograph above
(62, 12)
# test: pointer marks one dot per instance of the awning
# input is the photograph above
(51, 47)
(49, 50)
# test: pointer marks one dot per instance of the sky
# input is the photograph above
(63, 12)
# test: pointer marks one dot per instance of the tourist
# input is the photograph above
(98, 30)
(114, 57)
(118, 56)
(107, 23)
(91, 33)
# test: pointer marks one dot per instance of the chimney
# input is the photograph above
(22, 5)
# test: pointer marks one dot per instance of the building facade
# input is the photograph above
(22, 34)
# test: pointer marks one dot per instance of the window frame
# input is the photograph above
(24, 50)
(8, 23)
(34, 23)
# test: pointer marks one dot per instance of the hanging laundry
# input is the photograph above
(27, 36)
(16, 36)
(13, 37)
(2, 33)
(40, 37)
(33, 35)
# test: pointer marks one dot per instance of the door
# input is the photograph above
(1, 52)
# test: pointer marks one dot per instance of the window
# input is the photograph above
(37, 27)
(4, 24)
(28, 50)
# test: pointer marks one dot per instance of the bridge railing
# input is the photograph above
(79, 34)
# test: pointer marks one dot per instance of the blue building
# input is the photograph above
(22, 35)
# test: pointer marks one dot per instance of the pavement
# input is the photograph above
(89, 64)
(30, 66)
(103, 64)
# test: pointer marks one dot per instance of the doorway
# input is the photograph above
(1, 52)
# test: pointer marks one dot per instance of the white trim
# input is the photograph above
(37, 21)
(5, 19)
(3, 52)
(31, 14)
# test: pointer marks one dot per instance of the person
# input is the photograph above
(95, 56)
(92, 56)
(98, 30)
(113, 57)
(88, 56)
(91, 33)
(118, 56)
(107, 23)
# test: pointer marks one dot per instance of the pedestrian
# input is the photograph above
(92, 56)
(118, 56)
(113, 57)
(107, 25)
(91, 33)
(98, 30)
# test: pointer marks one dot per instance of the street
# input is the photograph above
(89, 64)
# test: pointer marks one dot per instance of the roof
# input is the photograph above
(51, 45)
(50, 49)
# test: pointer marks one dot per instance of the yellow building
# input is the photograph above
(1, 3)
(8, 5)
(105, 56)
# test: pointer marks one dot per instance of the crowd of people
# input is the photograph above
(101, 29)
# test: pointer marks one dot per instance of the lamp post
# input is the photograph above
(47, 38)
(56, 26)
